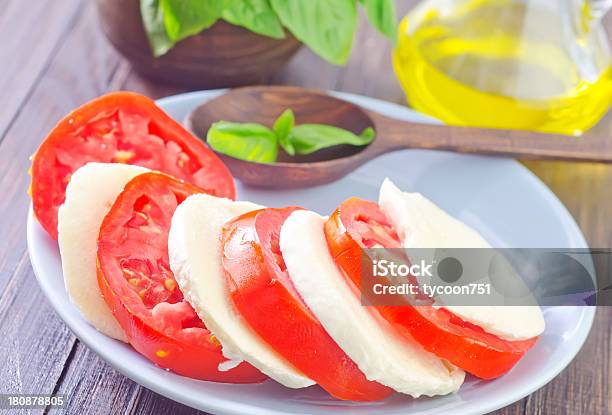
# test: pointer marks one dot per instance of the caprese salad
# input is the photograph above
(155, 252)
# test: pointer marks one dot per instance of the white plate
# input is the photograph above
(499, 197)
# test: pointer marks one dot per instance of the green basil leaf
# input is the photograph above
(308, 138)
(327, 27)
(255, 15)
(381, 13)
(153, 21)
(184, 18)
(282, 127)
(250, 142)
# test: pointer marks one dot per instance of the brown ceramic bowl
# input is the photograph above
(223, 55)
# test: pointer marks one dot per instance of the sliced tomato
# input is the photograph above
(262, 292)
(120, 127)
(136, 282)
(359, 224)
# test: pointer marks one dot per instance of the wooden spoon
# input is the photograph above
(263, 104)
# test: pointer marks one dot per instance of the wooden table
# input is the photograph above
(53, 58)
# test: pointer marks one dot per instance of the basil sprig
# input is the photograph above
(258, 143)
(325, 26)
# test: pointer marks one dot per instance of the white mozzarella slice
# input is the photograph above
(91, 192)
(380, 353)
(421, 224)
(195, 258)
(511, 323)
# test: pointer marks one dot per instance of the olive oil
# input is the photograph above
(505, 64)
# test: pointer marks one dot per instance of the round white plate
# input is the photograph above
(499, 197)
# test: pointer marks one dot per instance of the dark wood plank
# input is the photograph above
(308, 70)
(35, 343)
(92, 387)
(584, 188)
(30, 34)
(153, 89)
(370, 70)
(149, 402)
(80, 70)
(584, 387)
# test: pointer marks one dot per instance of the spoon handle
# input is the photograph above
(393, 134)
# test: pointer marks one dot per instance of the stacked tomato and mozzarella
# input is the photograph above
(156, 252)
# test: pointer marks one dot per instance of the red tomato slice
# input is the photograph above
(358, 224)
(120, 127)
(136, 282)
(262, 292)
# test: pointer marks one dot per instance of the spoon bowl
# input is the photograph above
(263, 104)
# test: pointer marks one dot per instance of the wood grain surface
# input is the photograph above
(55, 57)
